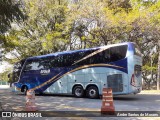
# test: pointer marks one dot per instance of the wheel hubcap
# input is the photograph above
(78, 92)
(25, 89)
(92, 92)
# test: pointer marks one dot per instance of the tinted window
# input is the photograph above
(116, 53)
(18, 66)
(37, 64)
(57, 61)
(62, 60)
(17, 70)
(109, 55)
(89, 60)
(69, 59)
(76, 58)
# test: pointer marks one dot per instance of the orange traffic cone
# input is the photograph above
(30, 101)
(107, 102)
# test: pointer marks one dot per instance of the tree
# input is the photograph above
(56, 25)
(158, 78)
(4, 75)
(101, 22)
(9, 11)
(44, 31)
(151, 40)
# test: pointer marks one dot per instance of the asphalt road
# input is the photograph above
(141, 102)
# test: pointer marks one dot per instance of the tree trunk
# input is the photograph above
(158, 78)
(148, 86)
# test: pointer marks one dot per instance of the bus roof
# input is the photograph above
(80, 50)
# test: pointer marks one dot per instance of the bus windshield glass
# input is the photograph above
(16, 70)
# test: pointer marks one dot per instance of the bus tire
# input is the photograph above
(92, 92)
(78, 91)
(24, 90)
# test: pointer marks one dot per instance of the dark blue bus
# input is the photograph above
(82, 72)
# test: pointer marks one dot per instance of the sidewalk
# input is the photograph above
(9, 103)
(1, 107)
(1, 110)
(1, 104)
(150, 92)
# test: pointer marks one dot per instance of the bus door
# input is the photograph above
(29, 78)
(34, 73)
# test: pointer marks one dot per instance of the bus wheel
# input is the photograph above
(78, 91)
(24, 89)
(92, 92)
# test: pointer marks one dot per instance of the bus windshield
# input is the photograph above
(17, 70)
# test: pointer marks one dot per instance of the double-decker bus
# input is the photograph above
(82, 72)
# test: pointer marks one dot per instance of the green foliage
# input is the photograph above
(4, 75)
(57, 25)
(9, 11)
(44, 31)
(149, 68)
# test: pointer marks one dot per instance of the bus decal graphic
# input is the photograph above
(94, 65)
(55, 78)
(47, 82)
(90, 55)
(45, 72)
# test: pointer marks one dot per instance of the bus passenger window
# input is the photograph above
(115, 53)
(33, 65)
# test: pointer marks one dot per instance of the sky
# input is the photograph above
(4, 66)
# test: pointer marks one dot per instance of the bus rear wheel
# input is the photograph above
(92, 92)
(78, 91)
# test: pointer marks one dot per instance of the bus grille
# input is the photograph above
(115, 82)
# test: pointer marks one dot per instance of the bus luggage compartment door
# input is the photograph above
(115, 82)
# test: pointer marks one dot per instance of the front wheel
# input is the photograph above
(78, 91)
(92, 92)
(24, 90)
